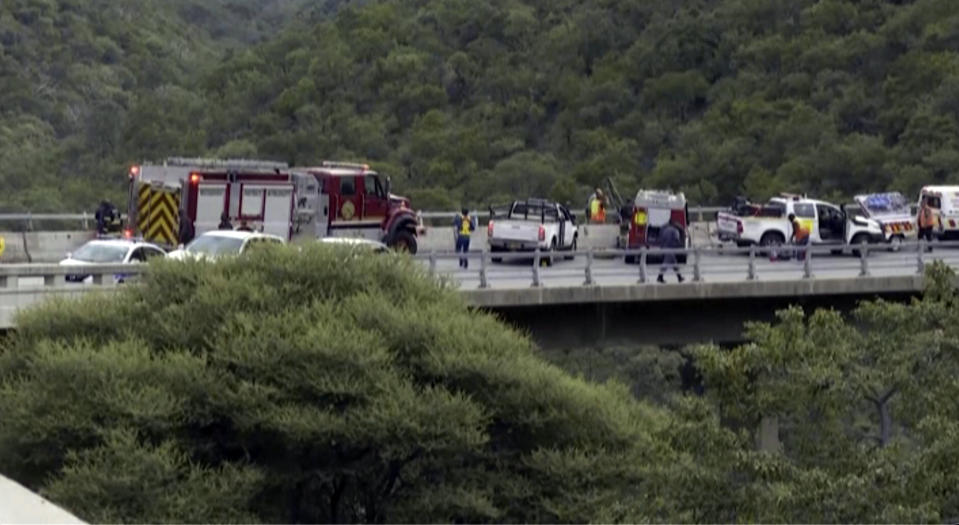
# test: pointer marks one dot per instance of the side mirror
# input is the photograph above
(572, 217)
(389, 187)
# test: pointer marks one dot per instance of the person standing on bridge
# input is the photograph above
(186, 232)
(597, 207)
(799, 237)
(670, 238)
(463, 226)
(927, 220)
(225, 223)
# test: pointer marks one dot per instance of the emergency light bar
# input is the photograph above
(335, 164)
(224, 163)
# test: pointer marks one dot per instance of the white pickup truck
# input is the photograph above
(524, 226)
(768, 224)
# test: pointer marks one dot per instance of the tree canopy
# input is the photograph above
(317, 386)
(473, 102)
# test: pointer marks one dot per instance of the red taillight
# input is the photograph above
(134, 171)
(128, 233)
(489, 229)
(195, 178)
(542, 232)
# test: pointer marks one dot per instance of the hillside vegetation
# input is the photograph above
(465, 101)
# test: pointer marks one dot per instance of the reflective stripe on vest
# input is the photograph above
(465, 225)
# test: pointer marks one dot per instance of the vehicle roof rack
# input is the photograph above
(224, 163)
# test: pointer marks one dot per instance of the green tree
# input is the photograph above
(291, 386)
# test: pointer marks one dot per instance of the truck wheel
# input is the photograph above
(547, 260)
(771, 241)
(895, 243)
(572, 248)
(404, 242)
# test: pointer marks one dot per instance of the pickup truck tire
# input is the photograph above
(772, 240)
(547, 259)
(572, 248)
(495, 249)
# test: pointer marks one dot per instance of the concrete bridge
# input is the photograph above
(594, 296)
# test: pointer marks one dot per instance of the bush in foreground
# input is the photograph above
(313, 386)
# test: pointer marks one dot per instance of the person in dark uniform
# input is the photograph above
(670, 238)
(186, 231)
(225, 223)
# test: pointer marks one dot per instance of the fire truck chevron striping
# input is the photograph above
(157, 211)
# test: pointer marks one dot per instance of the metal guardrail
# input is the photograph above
(703, 264)
(87, 220)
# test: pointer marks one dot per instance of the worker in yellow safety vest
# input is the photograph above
(927, 220)
(463, 226)
(800, 235)
(597, 207)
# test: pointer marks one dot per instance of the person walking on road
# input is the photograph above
(799, 237)
(186, 231)
(670, 238)
(463, 226)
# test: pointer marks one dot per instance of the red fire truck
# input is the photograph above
(342, 199)
(334, 199)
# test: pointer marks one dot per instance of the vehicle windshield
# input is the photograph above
(100, 253)
(215, 245)
(886, 204)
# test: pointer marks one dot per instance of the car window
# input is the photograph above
(347, 186)
(215, 245)
(371, 185)
(934, 201)
(100, 253)
(804, 210)
(138, 255)
(152, 252)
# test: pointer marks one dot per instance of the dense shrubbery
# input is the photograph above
(465, 101)
(316, 386)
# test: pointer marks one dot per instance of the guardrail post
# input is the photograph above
(643, 278)
(98, 279)
(86, 225)
(864, 261)
(589, 268)
(536, 261)
(919, 257)
(29, 221)
(432, 263)
(483, 256)
(807, 262)
(54, 280)
(751, 274)
(697, 275)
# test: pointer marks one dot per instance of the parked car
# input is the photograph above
(531, 224)
(357, 243)
(219, 243)
(109, 251)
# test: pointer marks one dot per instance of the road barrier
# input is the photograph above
(713, 272)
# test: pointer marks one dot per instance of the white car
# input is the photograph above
(355, 242)
(219, 243)
(109, 251)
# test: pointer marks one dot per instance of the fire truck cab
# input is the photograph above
(341, 199)
(260, 194)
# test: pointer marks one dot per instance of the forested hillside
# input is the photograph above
(465, 101)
